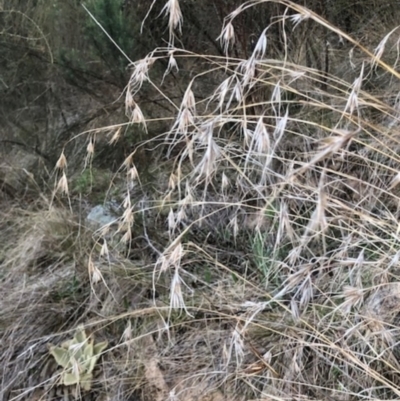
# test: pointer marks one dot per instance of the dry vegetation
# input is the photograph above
(256, 253)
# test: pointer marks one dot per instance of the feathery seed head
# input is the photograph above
(62, 185)
(61, 162)
(298, 18)
(132, 173)
(137, 116)
(116, 136)
(175, 18)
(261, 137)
(227, 36)
(261, 45)
(172, 64)
(189, 100)
(139, 75)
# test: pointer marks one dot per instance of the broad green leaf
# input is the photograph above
(61, 356)
(78, 351)
(80, 335)
(88, 350)
(70, 378)
(75, 366)
(88, 364)
(67, 344)
(86, 381)
(92, 364)
(99, 348)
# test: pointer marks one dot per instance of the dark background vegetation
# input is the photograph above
(60, 74)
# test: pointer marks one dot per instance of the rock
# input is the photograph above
(102, 215)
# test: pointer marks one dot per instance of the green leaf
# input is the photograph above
(76, 351)
(80, 335)
(86, 381)
(67, 344)
(87, 365)
(70, 378)
(61, 356)
(92, 364)
(99, 348)
(88, 350)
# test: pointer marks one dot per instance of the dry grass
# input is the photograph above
(264, 263)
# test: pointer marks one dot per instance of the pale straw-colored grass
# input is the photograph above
(269, 247)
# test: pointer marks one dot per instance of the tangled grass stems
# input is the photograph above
(269, 263)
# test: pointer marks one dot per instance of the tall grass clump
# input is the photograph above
(262, 263)
(280, 211)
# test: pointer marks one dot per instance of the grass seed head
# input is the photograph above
(227, 36)
(61, 162)
(175, 18)
(62, 185)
